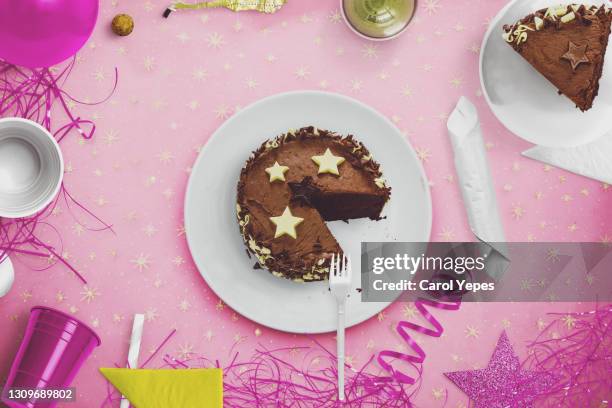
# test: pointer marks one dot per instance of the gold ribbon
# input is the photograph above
(263, 6)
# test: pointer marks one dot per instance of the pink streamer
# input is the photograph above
(269, 379)
(576, 348)
(387, 357)
(30, 94)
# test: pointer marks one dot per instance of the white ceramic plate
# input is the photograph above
(525, 102)
(210, 209)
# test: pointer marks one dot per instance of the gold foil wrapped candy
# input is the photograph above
(263, 6)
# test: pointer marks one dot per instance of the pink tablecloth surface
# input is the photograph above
(179, 79)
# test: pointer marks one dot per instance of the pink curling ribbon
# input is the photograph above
(30, 94)
(386, 357)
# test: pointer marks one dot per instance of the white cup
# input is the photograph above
(31, 168)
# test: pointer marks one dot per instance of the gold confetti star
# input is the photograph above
(199, 74)
(505, 323)
(168, 193)
(437, 393)
(541, 324)
(251, 83)
(185, 351)
(407, 91)
(335, 16)
(328, 163)
(370, 51)
(447, 234)
(257, 332)
(141, 262)
(356, 85)
(26, 295)
(208, 335)
(222, 112)
(149, 230)
(409, 311)
(184, 305)
(149, 63)
(302, 72)
(277, 172)
(526, 284)
(215, 41)
(572, 227)
(517, 211)
(88, 294)
(165, 157)
(286, 224)
(569, 321)
(220, 305)
(99, 75)
(110, 137)
(117, 318)
(432, 6)
(78, 229)
(60, 296)
(178, 260)
(183, 37)
(423, 154)
(471, 332)
(456, 82)
(305, 19)
(101, 201)
(151, 314)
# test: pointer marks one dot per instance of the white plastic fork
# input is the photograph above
(339, 284)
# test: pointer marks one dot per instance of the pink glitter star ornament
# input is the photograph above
(504, 383)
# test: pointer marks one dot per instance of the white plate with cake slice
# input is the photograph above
(214, 237)
(522, 98)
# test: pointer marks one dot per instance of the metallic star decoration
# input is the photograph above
(503, 383)
(576, 55)
(328, 163)
(277, 172)
(286, 223)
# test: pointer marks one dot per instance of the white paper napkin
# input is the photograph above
(476, 183)
(593, 160)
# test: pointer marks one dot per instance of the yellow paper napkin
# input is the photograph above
(188, 388)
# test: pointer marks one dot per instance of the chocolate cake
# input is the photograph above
(566, 44)
(291, 185)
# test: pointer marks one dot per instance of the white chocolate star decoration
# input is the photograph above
(277, 172)
(286, 223)
(328, 163)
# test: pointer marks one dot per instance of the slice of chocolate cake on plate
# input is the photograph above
(567, 45)
(291, 186)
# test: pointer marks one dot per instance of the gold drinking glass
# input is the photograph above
(378, 19)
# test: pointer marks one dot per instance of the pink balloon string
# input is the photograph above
(386, 358)
(31, 94)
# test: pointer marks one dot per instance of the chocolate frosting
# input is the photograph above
(547, 37)
(359, 191)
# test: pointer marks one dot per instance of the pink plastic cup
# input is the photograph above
(52, 351)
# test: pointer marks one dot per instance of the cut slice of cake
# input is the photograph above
(291, 186)
(567, 45)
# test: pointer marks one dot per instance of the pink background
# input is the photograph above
(179, 79)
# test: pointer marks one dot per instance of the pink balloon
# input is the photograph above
(42, 33)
